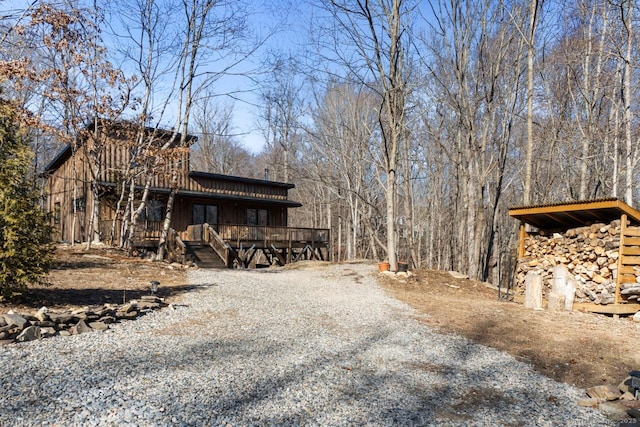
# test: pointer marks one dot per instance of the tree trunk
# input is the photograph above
(628, 193)
(391, 215)
(533, 11)
(166, 225)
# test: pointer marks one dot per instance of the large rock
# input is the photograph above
(31, 333)
(62, 317)
(606, 392)
(105, 311)
(590, 402)
(625, 386)
(42, 315)
(615, 410)
(131, 315)
(127, 308)
(45, 324)
(98, 326)
(82, 328)
(47, 331)
(13, 319)
(145, 305)
(636, 317)
(107, 320)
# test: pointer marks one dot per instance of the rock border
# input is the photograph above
(17, 327)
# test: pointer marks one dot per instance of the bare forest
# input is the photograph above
(408, 127)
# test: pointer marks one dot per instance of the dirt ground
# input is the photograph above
(578, 348)
(95, 277)
(582, 349)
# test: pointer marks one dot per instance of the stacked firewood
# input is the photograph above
(589, 253)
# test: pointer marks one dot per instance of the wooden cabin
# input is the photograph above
(245, 216)
(597, 240)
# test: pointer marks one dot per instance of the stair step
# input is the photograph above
(203, 255)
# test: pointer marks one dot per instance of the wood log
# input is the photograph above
(559, 282)
(533, 291)
(556, 302)
(590, 255)
(570, 294)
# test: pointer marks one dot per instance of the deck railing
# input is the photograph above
(151, 231)
(145, 230)
(210, 236)
(259, 233)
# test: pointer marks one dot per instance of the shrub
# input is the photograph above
(25, 230)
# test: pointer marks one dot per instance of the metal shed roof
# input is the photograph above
(565, 215)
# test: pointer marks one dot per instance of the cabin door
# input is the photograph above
(205, 213)
(202, 214)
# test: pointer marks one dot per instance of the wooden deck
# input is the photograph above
(238, 245)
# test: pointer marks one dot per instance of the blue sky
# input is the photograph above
(267, 15)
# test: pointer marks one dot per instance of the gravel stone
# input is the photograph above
(278, 347)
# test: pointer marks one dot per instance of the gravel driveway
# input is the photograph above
(278, 347)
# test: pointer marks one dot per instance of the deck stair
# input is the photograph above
(203, 255)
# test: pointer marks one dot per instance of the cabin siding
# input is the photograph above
(232, 195)
(60, 199)
(228, 213)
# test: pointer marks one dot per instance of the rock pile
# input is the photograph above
(43, 324)
(589, 253)
(619, 402)
(398, 275)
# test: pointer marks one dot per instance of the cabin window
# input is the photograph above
(154, 210)
(133, 157)
(257, 217)
(56, 213)
(81, 204)
(205, 213)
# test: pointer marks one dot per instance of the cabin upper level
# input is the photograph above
(163, 157)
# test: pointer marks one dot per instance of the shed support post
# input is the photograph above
(521, 236)
(623, 231)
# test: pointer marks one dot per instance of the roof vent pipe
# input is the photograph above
(266, 174)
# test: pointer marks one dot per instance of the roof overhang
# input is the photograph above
(232, 178)
(566, 215)
(224, 197)
(58, 160)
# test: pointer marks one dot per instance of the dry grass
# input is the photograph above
(578, 348)
(96, 277)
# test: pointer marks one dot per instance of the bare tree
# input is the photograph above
(73, 84)
(344, 126)
(475, 62)
(280, 118)
(533, 22)
(370, 41)
(186, 57)
(218, 149)
(631, 150)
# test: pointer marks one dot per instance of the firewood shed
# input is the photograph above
(597, 240)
